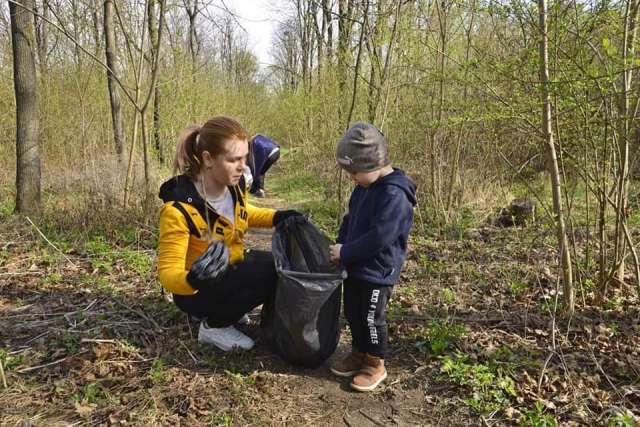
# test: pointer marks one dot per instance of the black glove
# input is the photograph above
(282, 215)
(210, 266)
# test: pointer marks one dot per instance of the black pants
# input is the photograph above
(246, 285)
(258, 180)
(364, 307)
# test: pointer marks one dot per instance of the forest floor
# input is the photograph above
(87, 338)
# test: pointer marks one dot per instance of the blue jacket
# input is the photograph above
(261, 148)
(374, 233)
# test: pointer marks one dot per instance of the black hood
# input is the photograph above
(399, 179)
(180, 189)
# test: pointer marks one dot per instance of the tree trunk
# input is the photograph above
(344, 34)
(114, 94)
(319, 33)
(385, 77)
(465, 96)
(624, 112)
(153, 41)
(42, 38)
(27, 117)
(194, 43)
(327, 28)
(354, 95)
(552, 161)
(143, 110)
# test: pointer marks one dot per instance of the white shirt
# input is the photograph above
(224, 206)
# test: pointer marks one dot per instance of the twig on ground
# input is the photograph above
(605, 374)
(25, 273)
(66, 313)
(49, 242)
(188, 351)
(87, 308)
(344, 418)
(99, 341)
(4, 379)
(370, 418)
(130, 360)
(36, 337)
(544, 368)
(139, 313)
(33, 368)
(189, 326)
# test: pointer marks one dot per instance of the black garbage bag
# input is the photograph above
(301, 320)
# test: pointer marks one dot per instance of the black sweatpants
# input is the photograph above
(364, 307)
(245, 285)
(258, 180)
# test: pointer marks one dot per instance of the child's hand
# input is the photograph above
(334, 251)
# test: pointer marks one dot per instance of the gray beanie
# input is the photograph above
(362, 148)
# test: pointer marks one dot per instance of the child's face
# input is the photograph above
(364, 179)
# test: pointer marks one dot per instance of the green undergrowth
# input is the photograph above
(307, 193)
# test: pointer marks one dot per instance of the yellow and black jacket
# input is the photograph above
(182, 223)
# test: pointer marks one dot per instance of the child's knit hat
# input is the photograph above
(362, 148)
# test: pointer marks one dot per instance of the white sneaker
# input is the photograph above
(244, 319)
(224, 338)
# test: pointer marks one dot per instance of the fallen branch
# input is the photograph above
(25, 273)
(33, 368)
(130, 360)
(188, 351)
(4, 379)
(49, 242)
(370, 418)
(99, 341)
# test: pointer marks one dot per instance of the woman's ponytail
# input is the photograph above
(187, 159)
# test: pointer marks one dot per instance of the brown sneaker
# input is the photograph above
(370, 375)
(348, 366)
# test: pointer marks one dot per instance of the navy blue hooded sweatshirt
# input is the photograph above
(261, 148)
(374, 233)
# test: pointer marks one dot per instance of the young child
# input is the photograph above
(372, 244)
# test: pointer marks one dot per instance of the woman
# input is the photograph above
(201, 258)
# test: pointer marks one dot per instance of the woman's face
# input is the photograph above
(226, 168)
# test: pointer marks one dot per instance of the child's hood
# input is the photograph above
(180, 189)
(400, 180)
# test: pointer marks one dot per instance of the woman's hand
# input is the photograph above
(334, 252)
(210, 266)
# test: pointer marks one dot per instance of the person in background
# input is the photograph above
(371, 244)
(201, 256)
(265, 153)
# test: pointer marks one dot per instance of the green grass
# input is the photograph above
(301, 187)
(307, 193)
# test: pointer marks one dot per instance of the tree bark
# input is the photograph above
(344, 34)
(552, 162)
(154, 48)
(42, 37)
(28, 174)
(114, 94)
(624, 112)
(194, 43)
